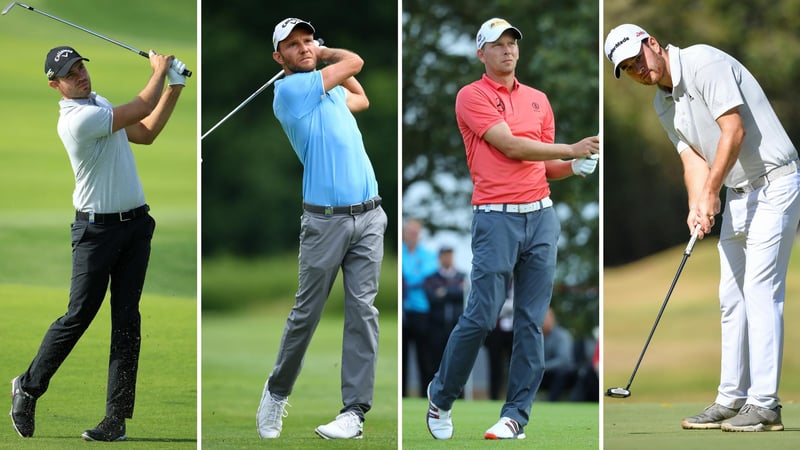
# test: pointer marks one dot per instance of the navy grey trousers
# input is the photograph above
(504, 245)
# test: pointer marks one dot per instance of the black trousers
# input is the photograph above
(115, 252)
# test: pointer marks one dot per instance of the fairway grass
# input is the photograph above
(682, 361)
(238, 352)
(166, 400)
(652, 426)
(553, 426)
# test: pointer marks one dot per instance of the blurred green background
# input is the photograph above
(36, 210)
(645, 205)
(252, 179)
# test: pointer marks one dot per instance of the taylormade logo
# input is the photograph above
(616, 46)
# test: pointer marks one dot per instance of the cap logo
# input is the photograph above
(62, 53)
(616, 46)
(290, 21)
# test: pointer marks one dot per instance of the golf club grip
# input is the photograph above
(186, 72)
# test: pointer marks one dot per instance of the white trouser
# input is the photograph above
(758, 230)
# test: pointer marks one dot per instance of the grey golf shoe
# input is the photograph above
(710, 418)
(755, 418)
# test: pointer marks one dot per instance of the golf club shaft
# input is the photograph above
(686, 255)
(245, 102)
(186, 72)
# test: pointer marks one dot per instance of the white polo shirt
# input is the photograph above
(707, 83)
(106, 180)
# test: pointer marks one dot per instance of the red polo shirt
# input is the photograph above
(496, 178)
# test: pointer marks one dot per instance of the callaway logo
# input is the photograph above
(288, 22)
(62, 53)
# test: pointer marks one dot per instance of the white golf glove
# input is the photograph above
(585, 166)
(175, 74)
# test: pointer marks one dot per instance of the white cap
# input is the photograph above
(492, 29)
(623, 42)
(284, 27)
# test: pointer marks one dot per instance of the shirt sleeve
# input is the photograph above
(477, 110)
(719, 87)
(90, 122)
(300, 93)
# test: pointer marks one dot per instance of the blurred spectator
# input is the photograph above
(498, 345)
(418, 263)
(559, 358)
(444, 290)
(587, 387)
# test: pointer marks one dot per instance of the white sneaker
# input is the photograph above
(440, 424)
(269, 418)
(505, 428)
(347, 425)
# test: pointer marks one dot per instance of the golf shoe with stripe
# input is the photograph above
(505, 428)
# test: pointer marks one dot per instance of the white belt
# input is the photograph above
(767, 178)
(521, 208)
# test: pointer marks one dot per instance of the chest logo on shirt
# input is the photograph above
(535, 106)
(501, 107)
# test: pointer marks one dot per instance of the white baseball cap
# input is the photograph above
(623, 42)
(492, 29)
(285, 26)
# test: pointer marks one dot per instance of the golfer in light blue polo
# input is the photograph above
(342, 225)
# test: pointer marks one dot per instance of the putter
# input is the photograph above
(245, 102)
(186, 72)
(618, 392)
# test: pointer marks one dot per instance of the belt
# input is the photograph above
(767, 178)
(352, 210)
(521, 208)
(93, 217)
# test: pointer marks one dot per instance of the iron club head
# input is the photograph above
(8, 8)
(617, 392)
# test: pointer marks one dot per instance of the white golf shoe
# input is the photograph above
(440, 423)
(505, 428)
(269, 418)
(347, 425)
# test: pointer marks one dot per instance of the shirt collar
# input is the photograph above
(497, 86)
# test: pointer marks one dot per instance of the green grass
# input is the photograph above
(166, 401)
(238, 353)
(657, 426)
(682, 361)
(562, 425)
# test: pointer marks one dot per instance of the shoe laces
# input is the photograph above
(349, 419)
(277, 410)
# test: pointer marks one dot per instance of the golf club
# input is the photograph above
(186, 72)
(618, 392)
(245, 102)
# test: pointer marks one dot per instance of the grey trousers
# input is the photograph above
(354, 243)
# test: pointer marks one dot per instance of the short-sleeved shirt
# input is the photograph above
(707, 83)
(106, 180)
(417, 266)
(497, 178)
(326, 139)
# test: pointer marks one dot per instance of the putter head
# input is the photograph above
(618, 392)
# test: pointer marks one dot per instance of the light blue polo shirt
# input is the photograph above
(326, 139)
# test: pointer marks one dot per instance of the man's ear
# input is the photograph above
(277, 57)
(53, 84)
